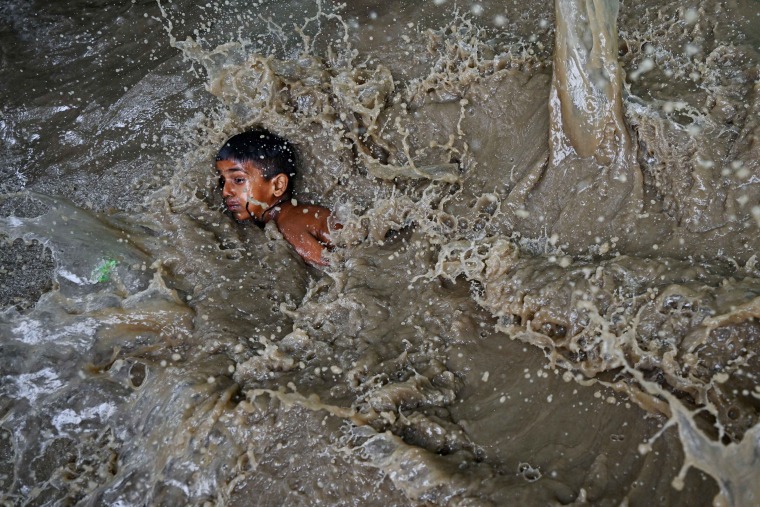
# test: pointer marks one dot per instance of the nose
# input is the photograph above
(227, 190)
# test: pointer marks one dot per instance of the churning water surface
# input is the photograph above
(505, 321)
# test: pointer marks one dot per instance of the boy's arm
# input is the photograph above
(320, 225)
(307, 246)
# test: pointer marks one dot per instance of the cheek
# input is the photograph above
(256, 191)
(242, 188)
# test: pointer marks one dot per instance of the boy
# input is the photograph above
(256, 171)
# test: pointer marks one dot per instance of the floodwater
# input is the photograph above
(507, 320)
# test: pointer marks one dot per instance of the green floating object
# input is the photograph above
(102, 272)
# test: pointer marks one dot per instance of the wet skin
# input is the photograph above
(248, 195)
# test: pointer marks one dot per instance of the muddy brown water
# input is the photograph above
(503, 322)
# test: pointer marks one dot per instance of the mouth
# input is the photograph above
(233, 205)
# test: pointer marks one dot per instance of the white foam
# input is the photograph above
(68, 275)
(69, 417)
(14, 222)
(33, 332)
(33, 385)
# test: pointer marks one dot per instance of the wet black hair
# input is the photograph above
(270, 153)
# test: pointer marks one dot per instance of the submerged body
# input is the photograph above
(257, 186)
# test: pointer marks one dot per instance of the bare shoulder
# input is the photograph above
(306, 228)
(305, 218)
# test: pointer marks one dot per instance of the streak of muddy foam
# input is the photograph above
(213, 366)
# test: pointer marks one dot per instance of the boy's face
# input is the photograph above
(241, 184)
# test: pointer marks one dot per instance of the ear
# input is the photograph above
(280, 184)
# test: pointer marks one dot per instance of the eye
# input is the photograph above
(239, 181)
(221, 182)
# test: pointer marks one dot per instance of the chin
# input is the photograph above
(239, 216)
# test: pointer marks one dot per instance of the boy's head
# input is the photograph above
(256, 171)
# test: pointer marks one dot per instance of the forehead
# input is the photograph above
(229, 166)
